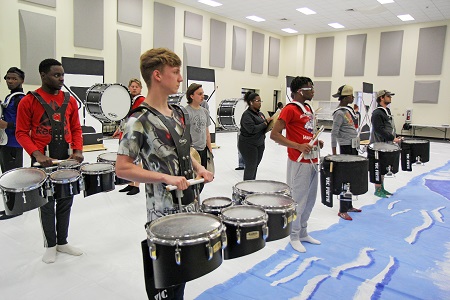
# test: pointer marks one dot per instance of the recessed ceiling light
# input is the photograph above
(210, 3)
(306, 11)
(336, 25)
(385, 1)
(256, 18)
(289, 30)
(405, 17)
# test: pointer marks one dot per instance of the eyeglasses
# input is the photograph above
(307, 89)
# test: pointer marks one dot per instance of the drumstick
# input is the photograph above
(55, 162)
(191, 182)
(312, 141)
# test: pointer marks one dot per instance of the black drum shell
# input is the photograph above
(62, 190)
(117, 180)
(275, 224)
(343, 172)
(194, 263)
(233, 249)
(14, 201)
(206, 207)
(414, 148)
(225, 116)
(386, 159)
(92, 187)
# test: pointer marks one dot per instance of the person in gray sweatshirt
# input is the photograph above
(344, 132)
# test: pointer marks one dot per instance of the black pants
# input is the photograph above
(55, 222)
(346, 149)
(10, 158)
(204, 162)
(252, 157)
(174, 292)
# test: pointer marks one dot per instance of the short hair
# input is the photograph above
(156, 59)
(191, 90)
(280, 105)
(298, 82)
(47, 63)
(250, 96)
(137, 81)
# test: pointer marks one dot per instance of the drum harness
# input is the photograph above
(182, 145)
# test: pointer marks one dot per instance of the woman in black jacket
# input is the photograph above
(252, 135)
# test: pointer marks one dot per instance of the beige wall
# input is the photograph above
(297, 55)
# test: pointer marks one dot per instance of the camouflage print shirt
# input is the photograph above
(145, 136)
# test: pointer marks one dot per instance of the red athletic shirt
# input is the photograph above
(33, 128)
(138, 101)
(299, 127)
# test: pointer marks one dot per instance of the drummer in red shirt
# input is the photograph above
(48, 128)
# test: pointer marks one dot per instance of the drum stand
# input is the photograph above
(346, 194)
(389, 173)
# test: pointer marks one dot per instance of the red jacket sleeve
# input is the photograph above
(23, 124)
(75, 127)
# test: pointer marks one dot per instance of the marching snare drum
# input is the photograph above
(66, 183)
(384, 159)
(215, 204)
(244, 188)
(69, 164)
(97, 177)
(414, 151)
(246, 227)
(23, 189)
(281, 210)
(108, 102)
(230, 112)
(111, 157)
(185, 246)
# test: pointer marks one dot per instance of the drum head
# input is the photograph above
(345, 158)
(415, 141)
(217, 202)
(384, 147)
(64, 176)
(110, 157)
(243, 213)
(269, 201)
(97, 168)
(262, 186)
(68, 164)
(184, 226)
(22, 179)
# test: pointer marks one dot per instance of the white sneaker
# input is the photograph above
(310, 240)
(49, 255)
(297, 245)
(69, 250)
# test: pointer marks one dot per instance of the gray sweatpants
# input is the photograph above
(303, 180)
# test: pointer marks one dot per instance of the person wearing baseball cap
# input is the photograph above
(344, 133)
(11, 152)
(383, 131)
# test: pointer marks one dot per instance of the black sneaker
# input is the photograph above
(239, 168)
(134, 190)
(126, 189)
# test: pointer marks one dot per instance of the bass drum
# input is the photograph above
(230, 112)
(108, 102)
(185, 246)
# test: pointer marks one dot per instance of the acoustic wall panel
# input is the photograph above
(193, 25)
(257, 52)
(323, 63)
(217, 44)
(192, 55)
(274, 56)
(128, 54)
(430, 52)
(50, 3)
(355, 55)
(88, 24)
(37, 42)
(426, 91)
(239, 48)
(129, 12)
(164, 26)
(390, 56)
(322, 90)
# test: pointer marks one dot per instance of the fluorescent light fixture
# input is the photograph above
(210, 3)
(256, 18)
(289, 30)
(385, 1)
(405, 17)
(336, 25)
(306, 11)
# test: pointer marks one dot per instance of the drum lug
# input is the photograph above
(224, 239)
(178, 255)
(209, 250)
(98, 180)
(265, 230)
(49, 189)
(153, 251)
(24, 197)
(238, 235)
(294, 217)
(71, 189)
(81, 181)
(285, 221)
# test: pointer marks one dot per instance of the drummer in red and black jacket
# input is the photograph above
(48, 128)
